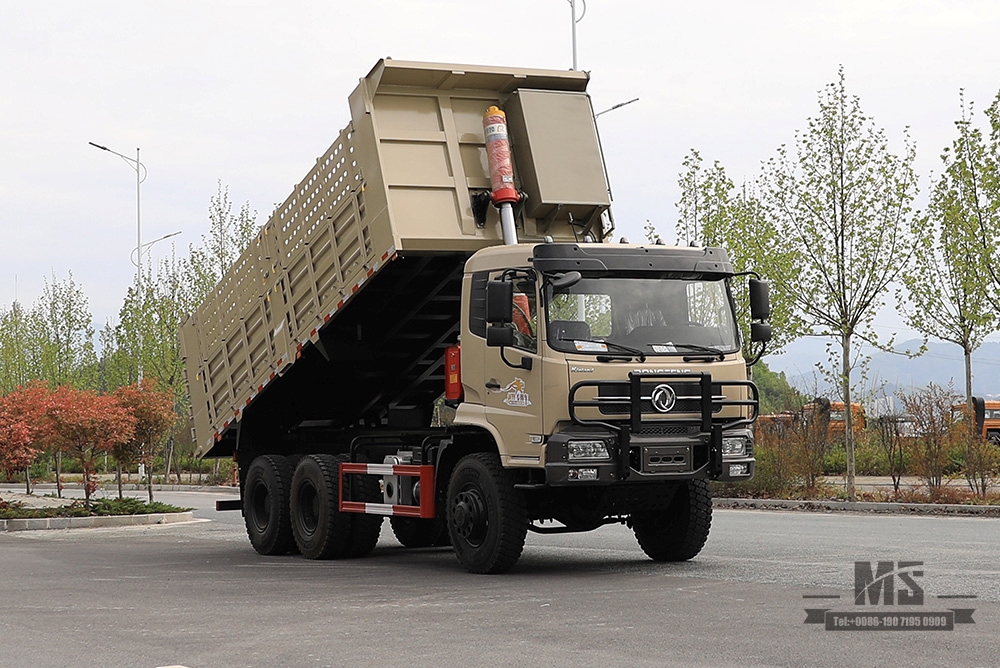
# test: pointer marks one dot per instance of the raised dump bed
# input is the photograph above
(350, 293)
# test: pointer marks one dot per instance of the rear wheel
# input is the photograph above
(487, 519)
(679, 532)
(266, 505)
(321, 531)
(417, 532)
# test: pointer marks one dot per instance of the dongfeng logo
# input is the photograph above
(663, 398)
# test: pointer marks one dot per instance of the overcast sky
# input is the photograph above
(251, 92)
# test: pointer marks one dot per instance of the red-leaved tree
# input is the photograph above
(22, 422)
(84, 425)
(154, 415)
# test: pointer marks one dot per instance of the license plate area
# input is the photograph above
(666, 458)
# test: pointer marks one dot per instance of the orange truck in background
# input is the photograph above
(780, 422)
(987, 415)
(838, 419)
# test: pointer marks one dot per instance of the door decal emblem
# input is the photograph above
(516, 396)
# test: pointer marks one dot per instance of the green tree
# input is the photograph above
(20, 359)
(981, 183)
(840, 209)
(712, 212)
(776, 393)
(948, 283)
(65, 335)
(228, 235)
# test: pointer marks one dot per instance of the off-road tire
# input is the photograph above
(266, 505)
(487, 519)
(321, 531)
(678, 533)
(417, 532)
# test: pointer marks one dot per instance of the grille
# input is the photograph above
(620, 393)
(668, 430)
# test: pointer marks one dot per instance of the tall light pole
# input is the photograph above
(140, 176)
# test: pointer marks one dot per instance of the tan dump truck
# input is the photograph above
(590, 383)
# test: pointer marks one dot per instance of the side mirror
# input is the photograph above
(760, 332)
(979, 409)
(499, 336)
(760, 300)
(500, 302)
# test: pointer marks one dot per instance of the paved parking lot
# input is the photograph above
(197, 595)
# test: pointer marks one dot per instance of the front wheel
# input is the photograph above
(487, 519)
(679, 532)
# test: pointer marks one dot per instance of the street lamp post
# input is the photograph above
(140, 176)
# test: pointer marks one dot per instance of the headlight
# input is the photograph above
(583, 450)
(734, 446)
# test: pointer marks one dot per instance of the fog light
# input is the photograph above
(582, 450)
(734, 446)
(738, 469)
(581, 474)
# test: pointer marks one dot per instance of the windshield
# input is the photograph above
(650, 315)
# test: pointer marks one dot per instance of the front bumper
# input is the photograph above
(648, 459)
(653, 450)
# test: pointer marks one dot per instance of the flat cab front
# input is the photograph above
(607, 363)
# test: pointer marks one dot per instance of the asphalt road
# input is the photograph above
(197, 595)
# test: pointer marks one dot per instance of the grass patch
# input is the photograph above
(14, 510)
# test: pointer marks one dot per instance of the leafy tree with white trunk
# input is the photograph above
(949, 282)
(841, 208)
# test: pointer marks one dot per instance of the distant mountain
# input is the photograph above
(940, 364)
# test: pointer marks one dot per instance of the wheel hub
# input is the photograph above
(469, 516)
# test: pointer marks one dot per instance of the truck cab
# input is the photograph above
(601, 363)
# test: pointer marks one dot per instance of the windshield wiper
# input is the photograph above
(713, 352)
(631, 352)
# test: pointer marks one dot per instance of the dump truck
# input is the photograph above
(434, 328)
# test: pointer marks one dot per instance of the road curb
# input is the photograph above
(95, 522)
(859, 507)
(128, 487)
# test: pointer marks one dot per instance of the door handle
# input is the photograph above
(491, 384)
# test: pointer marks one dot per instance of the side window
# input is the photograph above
(525, 315)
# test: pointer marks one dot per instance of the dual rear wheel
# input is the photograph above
(298, 510)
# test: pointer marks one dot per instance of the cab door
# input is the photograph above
(513, 396)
